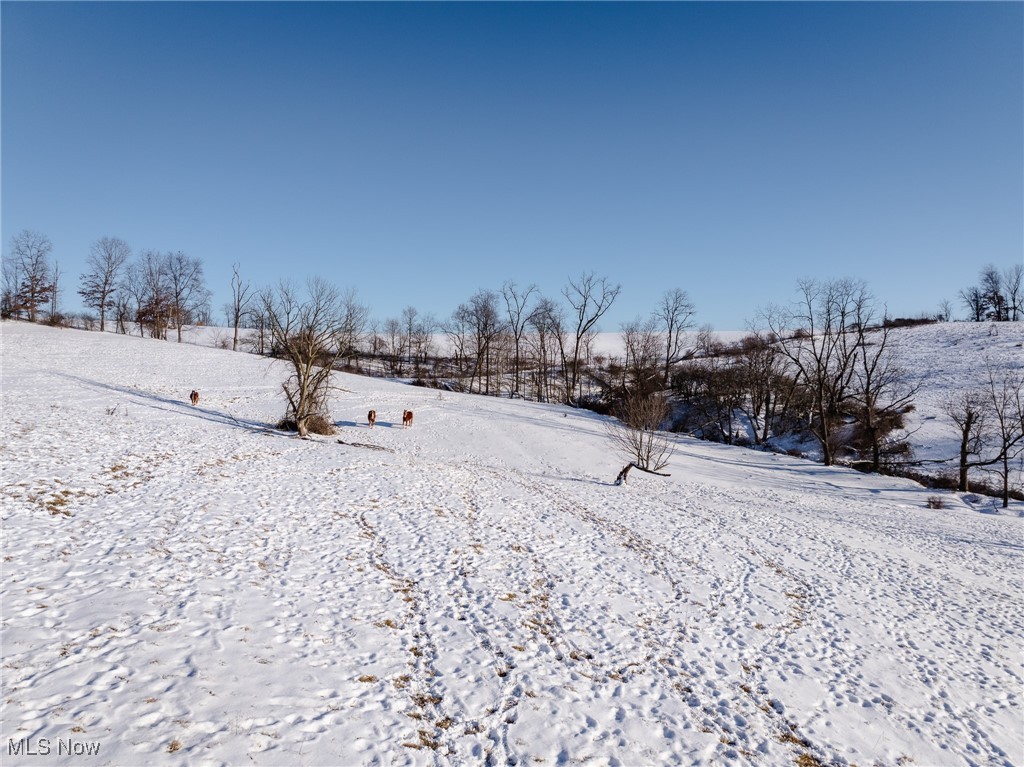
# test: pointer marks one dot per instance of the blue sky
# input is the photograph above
(419, 152)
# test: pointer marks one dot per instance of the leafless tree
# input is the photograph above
(241, 300)
(1005, 400)
(637, 432)
(767, 389)
(675, 313)
(547, 340)
(457, 329)
(354, 319)
(882, 392)
(481, 317)
(716, 388)
(11, 281)
(992, 293)
(642, 347)
(516, 301)
(55, 289)
(815, 335)
(306, 330)
(589, 298)
(974, 300)
(423, 338)
(945, 310)
(31, 251)
(409, 315)
(107, 257)
(967, 410)
(148, 280)
(990, 424)
(1013, 283)
(187, 288)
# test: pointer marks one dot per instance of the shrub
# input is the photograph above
(316, 424)
(935, 502)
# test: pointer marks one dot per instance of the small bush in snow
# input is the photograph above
(315, 424)
(935, 502)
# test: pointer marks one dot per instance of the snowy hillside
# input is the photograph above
(184, 585)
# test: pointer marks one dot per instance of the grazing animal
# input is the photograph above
(406, 418)
(371, 417)
(194, 396)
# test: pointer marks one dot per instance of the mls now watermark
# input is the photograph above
(47, 746)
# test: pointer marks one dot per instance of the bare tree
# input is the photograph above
(992, 293)
(306, 330)
(31, 251)
(55, 289)
(187, 289)
(149, 282)
(767, 389)
(990, 424)
(11, 281)
(945, 313)
(882, 392)
(1005, 400)
(675, 313)
(107, 257)
(516, 302)
(483, 321)
(637, 433)
(589, 298)
(974, 300)
(409, 315)
(423, 338)
(458, 329)
(966, 409)
(354, 318)
(547, 340)
(1013, 283)
(241, 300)
(641, 343)
(122, 306)
(815, 335)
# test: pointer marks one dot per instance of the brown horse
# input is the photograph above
(406, 418)
(371, 417)
(194, 396)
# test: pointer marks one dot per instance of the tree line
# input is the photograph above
(825, 367)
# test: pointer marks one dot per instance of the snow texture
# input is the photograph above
(185, 585)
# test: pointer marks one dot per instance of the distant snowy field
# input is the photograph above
(184, 585)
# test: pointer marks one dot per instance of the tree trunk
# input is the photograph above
(962, 484)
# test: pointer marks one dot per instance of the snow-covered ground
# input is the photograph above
(184, 585)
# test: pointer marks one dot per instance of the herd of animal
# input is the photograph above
(371, 417)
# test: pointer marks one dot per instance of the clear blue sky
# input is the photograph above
(420, 152)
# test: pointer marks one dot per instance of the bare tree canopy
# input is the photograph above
(815, 335)
(589, 297)
(107, 257)
(675, 314)
(241, 302)
(309, 331)
(187, 288)
(30, 252)
(516, 301)
(637, 432)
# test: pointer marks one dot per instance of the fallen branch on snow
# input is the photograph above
(364, 444)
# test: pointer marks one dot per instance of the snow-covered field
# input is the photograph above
(184, 585)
